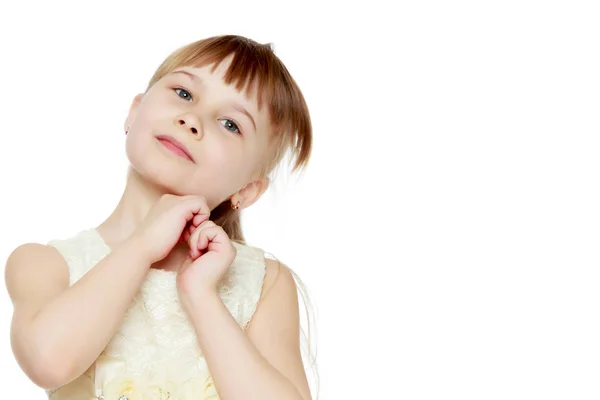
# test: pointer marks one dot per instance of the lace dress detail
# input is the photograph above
(155, 354)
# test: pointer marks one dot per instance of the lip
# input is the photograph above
(174, 142)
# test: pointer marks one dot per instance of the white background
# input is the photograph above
(448, 225)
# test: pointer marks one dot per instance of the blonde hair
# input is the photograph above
(255, 66)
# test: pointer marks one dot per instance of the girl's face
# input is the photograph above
(223, 135)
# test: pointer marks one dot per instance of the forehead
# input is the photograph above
(212, 78)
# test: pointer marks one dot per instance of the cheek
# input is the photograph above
(147, 117)
(221, 161)
(153, 109)
(223, 164)
(137, 147)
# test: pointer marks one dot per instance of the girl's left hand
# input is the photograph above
(211, 255)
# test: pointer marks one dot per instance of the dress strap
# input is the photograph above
(81, 252)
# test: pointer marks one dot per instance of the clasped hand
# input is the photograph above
(186, 218)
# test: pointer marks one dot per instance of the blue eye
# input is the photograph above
(230, 125)
(184, 94)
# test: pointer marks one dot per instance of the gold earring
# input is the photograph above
(236, 206)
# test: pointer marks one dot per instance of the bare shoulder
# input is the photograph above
(275, 328)
(33, 266)
(278, 276)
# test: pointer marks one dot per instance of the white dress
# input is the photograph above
(155, 354)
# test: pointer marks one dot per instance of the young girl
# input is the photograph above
(164, 299)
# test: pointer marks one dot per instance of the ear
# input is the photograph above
(132, 111)
(251, 193)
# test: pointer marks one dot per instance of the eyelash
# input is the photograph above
(185, 90)
(233, 122)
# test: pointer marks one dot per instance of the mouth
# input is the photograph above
(176, 147)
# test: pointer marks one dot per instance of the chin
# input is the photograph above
(169, 178)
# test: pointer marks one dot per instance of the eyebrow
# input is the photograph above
(195, 78)
(241, 109)
(235, 106)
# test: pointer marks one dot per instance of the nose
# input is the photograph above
(190, 124)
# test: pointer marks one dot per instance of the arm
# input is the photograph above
(265, 363)
(58, 331)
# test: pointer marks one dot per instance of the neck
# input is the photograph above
(138, 198)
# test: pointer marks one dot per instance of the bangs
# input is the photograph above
(254, 70)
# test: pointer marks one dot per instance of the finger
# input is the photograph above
(198, 207)
(189, 230)
(193, 241)
(199, 219)
(212, 238)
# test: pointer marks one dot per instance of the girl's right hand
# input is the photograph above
(164, 225)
